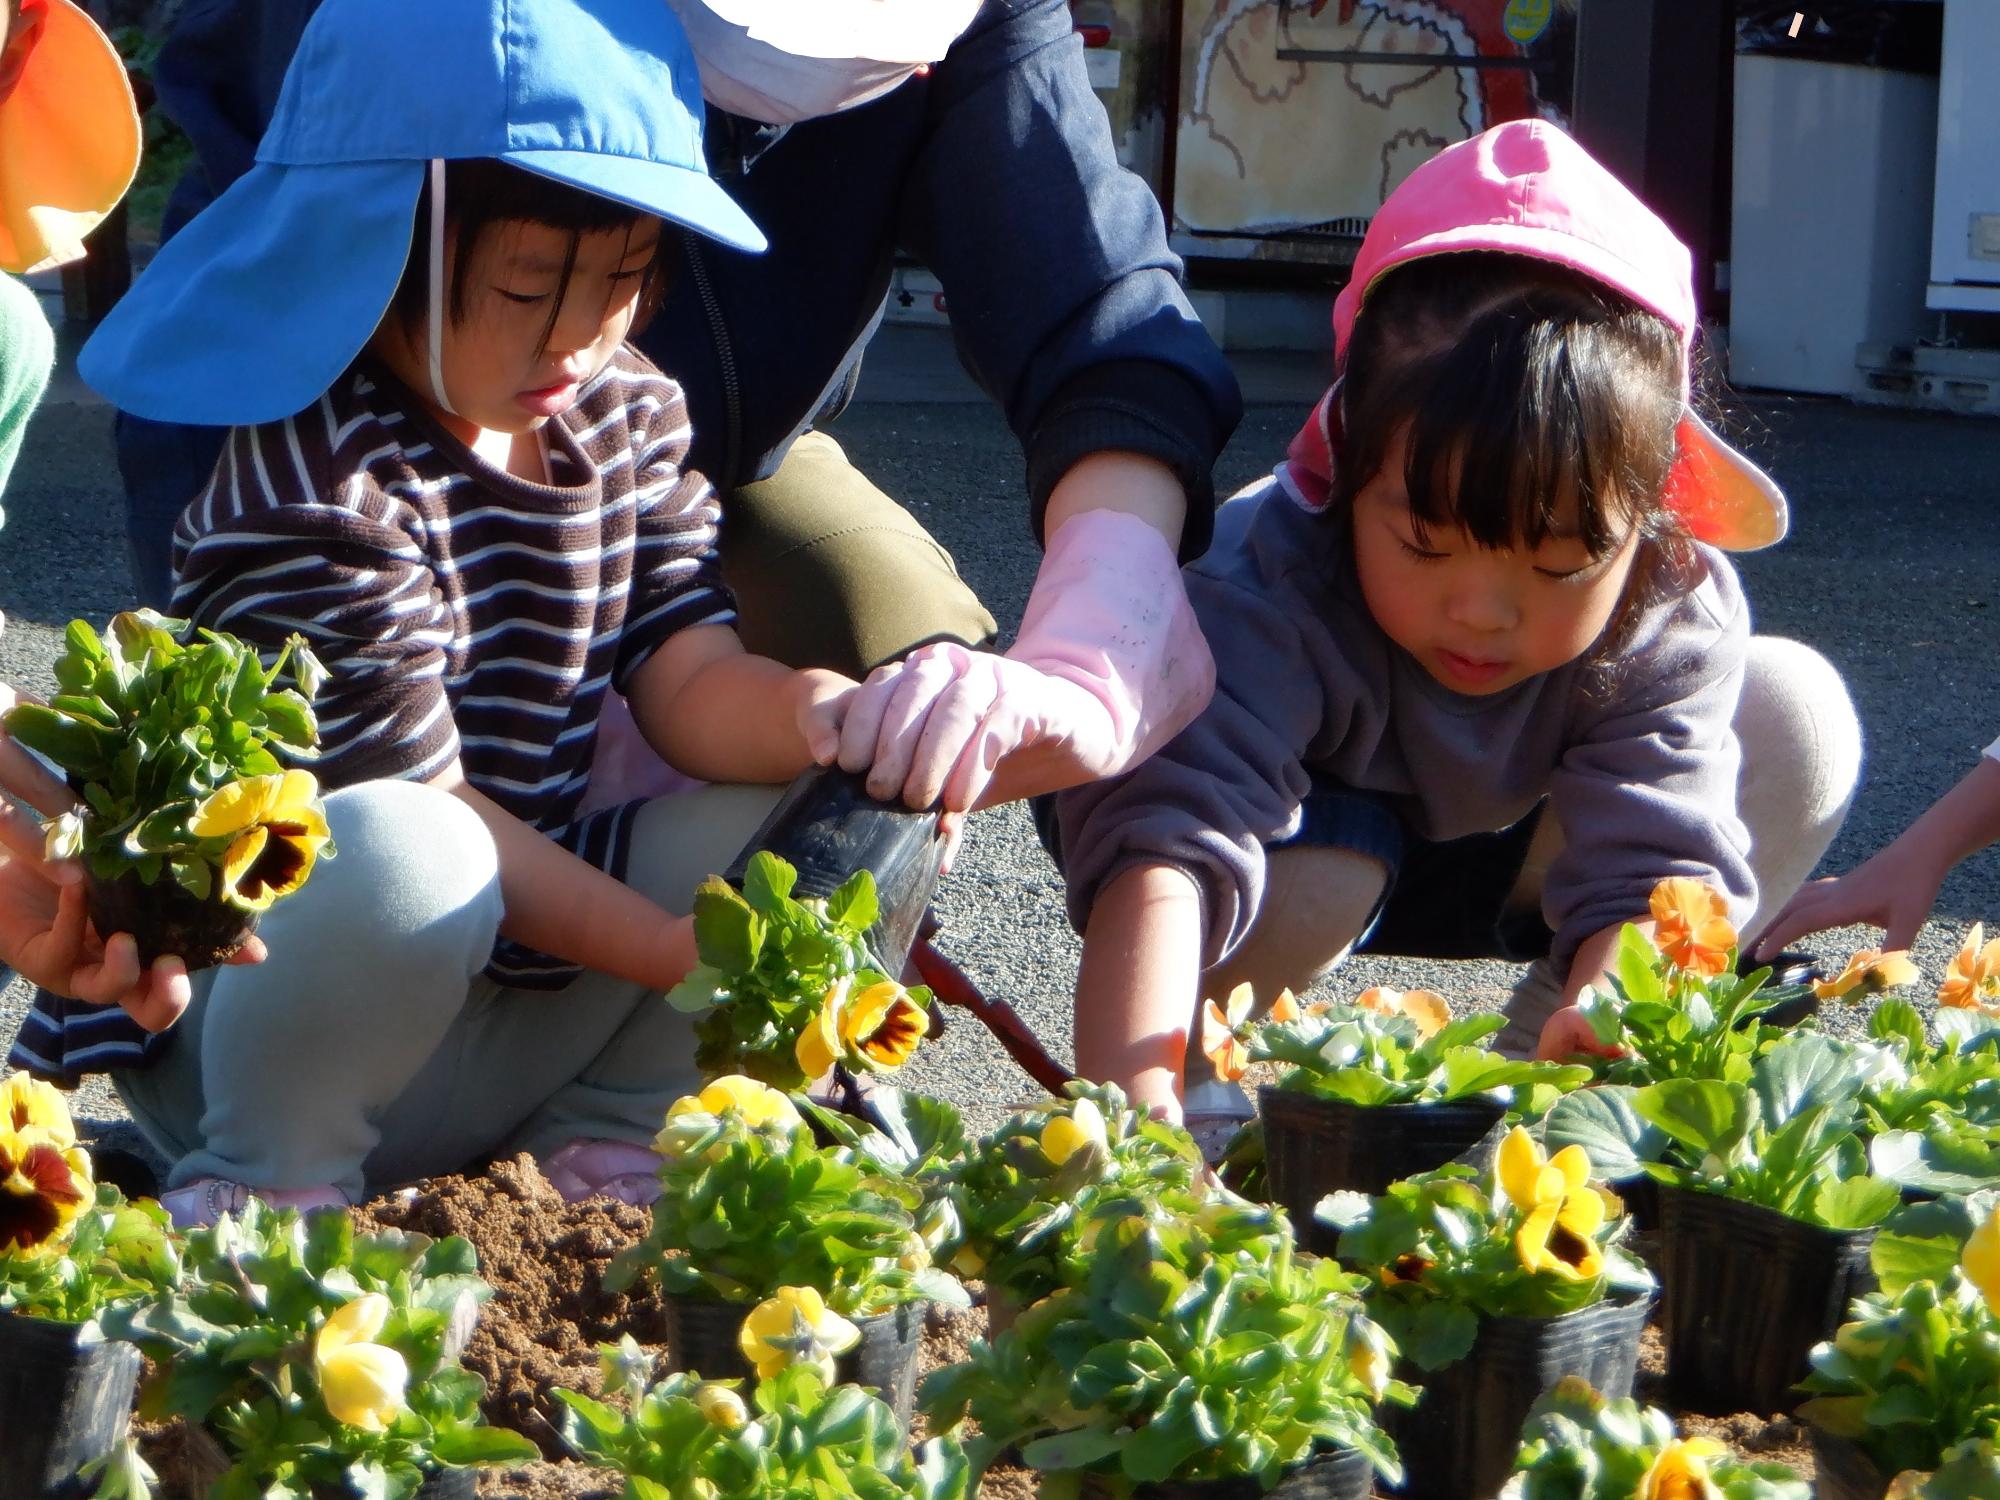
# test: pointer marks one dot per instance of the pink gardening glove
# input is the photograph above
(1110, 664)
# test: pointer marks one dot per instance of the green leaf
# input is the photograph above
(76, 745)
(1895, 1019)
(855, 906)
(289, 719)
(1898, 1260)
(698, 991)
(727, 933)
(768, 883)
(464, 1446)
(1857, 1203)
(1072, 1450)
(1441, 1334)
(1638, 966)
(1604, 1122)
(1706, 1115)
(1805, 1069)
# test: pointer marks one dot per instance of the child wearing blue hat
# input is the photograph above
(449, 472)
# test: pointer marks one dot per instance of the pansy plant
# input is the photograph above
(1972, 978)
(1186, 1346)
(1579, 1446)
(1383, 1047)
(1441, 1251)
(795, 1437)
(786, 988)
(176, 748)
(1677, 1007)
(1790, 1138)
(1933, 1114)
(750, 1203)
(68, 1245)
(1915, 1372)
(317, 1356)
(1024, 1193)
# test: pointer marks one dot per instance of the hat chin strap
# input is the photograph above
(435, 341)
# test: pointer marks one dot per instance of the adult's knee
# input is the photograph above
(1799, 733)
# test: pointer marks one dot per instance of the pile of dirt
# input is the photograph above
(1766, 1438)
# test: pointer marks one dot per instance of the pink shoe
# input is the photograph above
(207, 1199)
(590, 1168)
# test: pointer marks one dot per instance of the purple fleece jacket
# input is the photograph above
(1638, 756)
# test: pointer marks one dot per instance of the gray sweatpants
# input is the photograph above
(369, 1049)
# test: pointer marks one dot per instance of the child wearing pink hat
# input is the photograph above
(1485, 672)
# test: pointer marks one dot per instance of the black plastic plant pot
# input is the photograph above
(1461, 1437)
(702, 1335)
(828, 827)
(1747, 1293)
(1340, 1475)
(62, 1405)
(1845, 1471)
(164, 918)
(1313, 1147)
(207, 1461)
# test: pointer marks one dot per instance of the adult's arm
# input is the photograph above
(1065, 300)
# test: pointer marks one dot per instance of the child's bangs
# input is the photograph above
(1547, 414)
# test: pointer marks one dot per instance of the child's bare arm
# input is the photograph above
(1896, 888)
(566, 907)
(1136, 990)
(715, 711)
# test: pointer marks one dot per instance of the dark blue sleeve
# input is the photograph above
(1065, 300)
(217, 77)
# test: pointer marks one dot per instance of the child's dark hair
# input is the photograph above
(480, 194)
(1534, 400)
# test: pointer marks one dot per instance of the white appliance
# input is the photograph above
(1832, 177)
(1965, 219)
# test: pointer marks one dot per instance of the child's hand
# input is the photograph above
(1894, 890)
(1567, 1033)
(823, 698)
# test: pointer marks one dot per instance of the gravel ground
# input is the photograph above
(1890, 571)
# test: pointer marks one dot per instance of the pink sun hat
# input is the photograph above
(1526, 188)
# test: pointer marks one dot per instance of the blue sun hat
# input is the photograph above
(255, 308)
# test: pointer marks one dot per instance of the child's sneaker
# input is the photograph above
(1213, 1111)
(590, 1168)
(207, 1199)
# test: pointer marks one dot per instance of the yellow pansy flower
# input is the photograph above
(1681, 1472)
(794, 1326)
(1870, 971)
(30, 1106)
(362, 1382)
(1427, 1008)
(44, 1186)
(1067, 1134)
(722, 1407)
(757, 1104)
(276, 830)
(883, 1024)
(818, 1046)
(1561, 1236)
(1530, 1179)
(1691, 926)
(1980, 1260)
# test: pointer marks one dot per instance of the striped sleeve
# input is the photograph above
(261, 564)
(676, 576)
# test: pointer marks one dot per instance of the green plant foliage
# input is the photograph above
(1186, 1344)
(115, 1249)
(1673, 1023)
(1025, 1193)
(1933, 1107)
(1440, 1253)
(234, 1349)
(745, 1209)
(1911, 1375)
(768, 964)
(1579, 1446)
(146, 726)
(1788, 1137)
(684, 1438)
(1369, 1058)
